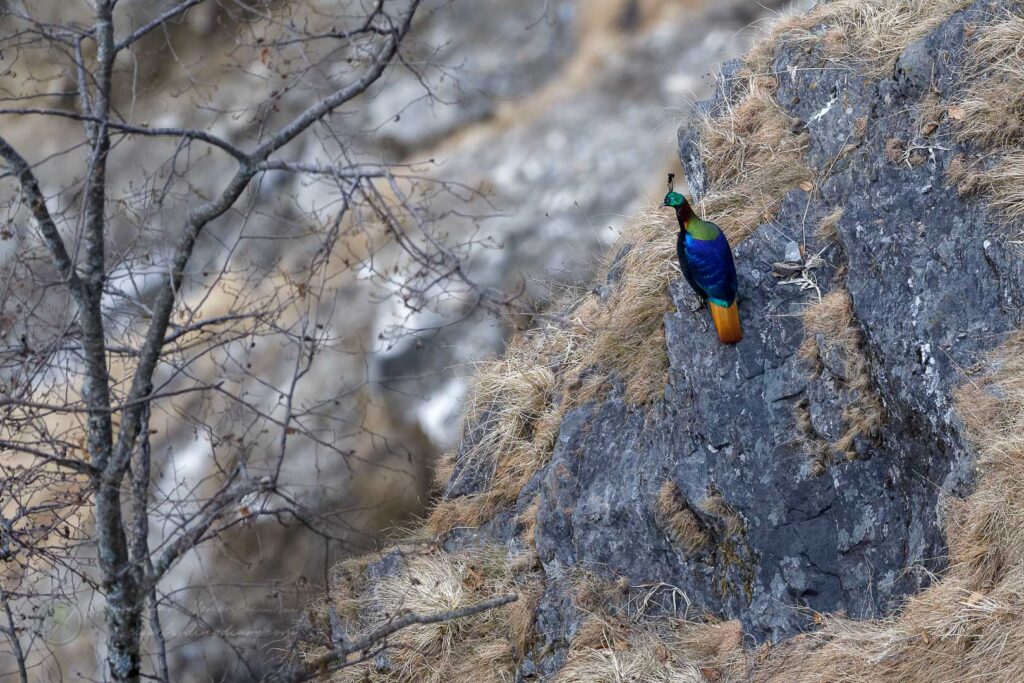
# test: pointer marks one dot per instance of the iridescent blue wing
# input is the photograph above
(712, 267)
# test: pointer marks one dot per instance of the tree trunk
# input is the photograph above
(124, 599)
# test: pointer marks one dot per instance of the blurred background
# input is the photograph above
(560, 115)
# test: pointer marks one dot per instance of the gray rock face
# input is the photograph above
(933, 286)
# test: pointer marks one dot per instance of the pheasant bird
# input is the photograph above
(707, 264)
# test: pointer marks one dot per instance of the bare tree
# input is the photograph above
(133, 291)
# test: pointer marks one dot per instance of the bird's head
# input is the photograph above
(675, 200)
(680, 205)
(678, 202)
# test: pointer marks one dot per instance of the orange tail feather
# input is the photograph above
(727, 322)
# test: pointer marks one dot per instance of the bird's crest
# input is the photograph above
(673, 198)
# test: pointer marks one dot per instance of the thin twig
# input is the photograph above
(333, 659)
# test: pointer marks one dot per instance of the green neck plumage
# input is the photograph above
(700, 229)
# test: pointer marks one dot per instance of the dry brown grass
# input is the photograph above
(512, 417)
(828, 228)
(627, 332)
(1004, 185)
(641, 655)
(870, 34)
(895, 150)
(790, 24)
(990, 116)
(715, 505)
(752, 157)
(528, 521)
(443, 469)
(618, 642)
(819, 450)
(931, 111)
(875, 32)
(832, 318)
(992, 111)
(483, 647)
(829, 327)
(967, 177)
(679, 520)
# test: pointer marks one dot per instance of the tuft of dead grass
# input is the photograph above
(528, 522)
(870, 34)
(512, 417)
(875, 32)
(828, 228)
(990, 534)
(627, 332)
(990, 116)
(348, 579)
(895, 150)
(819, 450)
(679, 520)
(483, 647)
(444, 467)
(616, 642)
(714, 504)
(991, 113)
(829, 327)
(832, 319)
(966, 626)
(1004, 184)
(967, 177)
(753, 157)
(791, 24)
(641, 655)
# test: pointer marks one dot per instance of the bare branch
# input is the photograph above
(357, 172)
(78, 466)
(37, 203)
(131, 129)
(317, 111)
(200, 217)
(335, 658)
(155, 23)
(214, 509)
(142, 382)
(97, 387)
(11, 631)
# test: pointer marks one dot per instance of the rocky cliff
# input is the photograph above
(673, 509)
